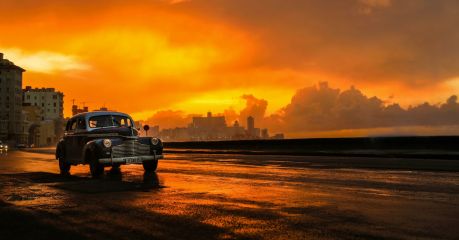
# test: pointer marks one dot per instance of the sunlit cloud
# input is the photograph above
(44, 61)
(149, 53)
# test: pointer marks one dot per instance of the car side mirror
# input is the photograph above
(146, 128)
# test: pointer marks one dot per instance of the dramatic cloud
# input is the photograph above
(169, 119)
(147, 55)
(413, 41)
(254, 107)
(325, 108)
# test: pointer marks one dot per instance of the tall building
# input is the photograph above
(11, 122)
(250, 126)
(49, 100)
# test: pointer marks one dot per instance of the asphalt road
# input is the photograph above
(228, 197)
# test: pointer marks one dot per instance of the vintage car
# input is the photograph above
(103, 139)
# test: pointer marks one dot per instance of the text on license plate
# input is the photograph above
(133, 160)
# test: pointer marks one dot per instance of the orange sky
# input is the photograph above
(198, 56)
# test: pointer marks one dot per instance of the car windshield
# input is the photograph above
(110, 121)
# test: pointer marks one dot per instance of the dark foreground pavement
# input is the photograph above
(230, 197)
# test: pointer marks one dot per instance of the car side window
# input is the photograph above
(71, 126)
(81, 124)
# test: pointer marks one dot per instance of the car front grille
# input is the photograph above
(129, 149)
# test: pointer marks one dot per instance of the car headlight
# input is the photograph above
(154, 141)
(107, 143)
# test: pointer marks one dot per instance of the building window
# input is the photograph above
(28, 97)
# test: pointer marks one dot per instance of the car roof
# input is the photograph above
(99, 113)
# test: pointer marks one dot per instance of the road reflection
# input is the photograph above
(228, 197)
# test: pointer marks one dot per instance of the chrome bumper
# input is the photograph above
(130, 160)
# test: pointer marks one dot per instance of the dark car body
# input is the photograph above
(86, 142)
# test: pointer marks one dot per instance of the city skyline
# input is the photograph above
(213, 128)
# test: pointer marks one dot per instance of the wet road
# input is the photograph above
(225, 197)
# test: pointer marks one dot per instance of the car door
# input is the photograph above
(81, 136)
(69, 140)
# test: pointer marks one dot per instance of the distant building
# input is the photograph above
(48, 99)
(176, 134)
(41, 132)
(252, 131)
(212, 128)
(208, 128)
(278, 136)
(11, 119)
(104, 109)
(154, 131)
(44, 113)
(209, 122)
(250, 126)
(236, 131)
(76, 110)
(264, 133)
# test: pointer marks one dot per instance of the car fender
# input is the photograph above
(93, 146)
(60, 149)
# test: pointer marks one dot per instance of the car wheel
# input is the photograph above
(115, 168)
(95, 167)
(64, 166)
(150, 166)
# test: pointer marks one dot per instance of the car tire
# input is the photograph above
(64, 166)
(95, 167)
(115, 168)
(150, 166)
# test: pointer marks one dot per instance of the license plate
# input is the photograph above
(132, 160)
